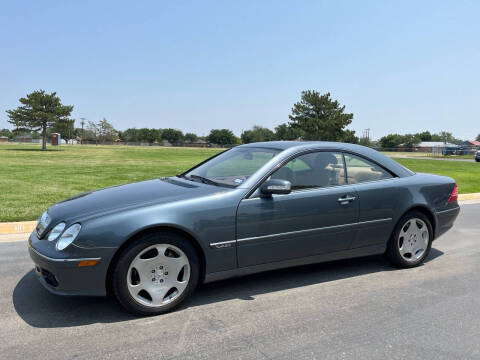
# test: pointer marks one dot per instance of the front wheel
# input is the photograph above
(411, 240)
(155, 273)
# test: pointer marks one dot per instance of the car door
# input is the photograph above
(378, 191)
(317, 217)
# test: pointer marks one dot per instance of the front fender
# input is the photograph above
(207, 220)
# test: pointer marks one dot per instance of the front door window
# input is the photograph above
(313, 170)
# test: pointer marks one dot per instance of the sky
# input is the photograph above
(398, 66)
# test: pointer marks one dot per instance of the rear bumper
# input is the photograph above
(445, 220)
(65, 277)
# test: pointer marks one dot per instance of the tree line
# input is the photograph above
(392, 141)
(314, 117)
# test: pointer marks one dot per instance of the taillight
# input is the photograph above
(454, 195)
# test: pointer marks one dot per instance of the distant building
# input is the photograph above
(24, 138)
(197, 143)
(429, 146)
(472, 143)
(3, 139)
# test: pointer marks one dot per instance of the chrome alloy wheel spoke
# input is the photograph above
(158, 275)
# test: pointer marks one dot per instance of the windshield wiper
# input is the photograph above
(204, 180)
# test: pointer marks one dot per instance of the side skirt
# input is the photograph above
(339, 255)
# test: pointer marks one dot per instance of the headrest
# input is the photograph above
(324, 159)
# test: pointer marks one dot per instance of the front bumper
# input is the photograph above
(63, 276)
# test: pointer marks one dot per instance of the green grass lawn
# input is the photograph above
(466, 174)
(32, 180)
(424, 154)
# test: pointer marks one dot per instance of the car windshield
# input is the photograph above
(232, 167)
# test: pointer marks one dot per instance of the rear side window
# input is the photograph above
(361, 170)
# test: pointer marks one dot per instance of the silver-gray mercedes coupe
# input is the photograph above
(253, 208)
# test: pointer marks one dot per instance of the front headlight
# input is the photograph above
(56, 231)
(68, 236)
(43, 223)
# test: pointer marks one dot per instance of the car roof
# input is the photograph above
(283, 145)
(367, 152)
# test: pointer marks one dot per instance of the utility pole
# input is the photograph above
(82, 122)
(366, 135)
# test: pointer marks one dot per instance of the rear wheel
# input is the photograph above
(411, 240)
(155, 273)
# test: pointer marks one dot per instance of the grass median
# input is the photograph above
(32, 180)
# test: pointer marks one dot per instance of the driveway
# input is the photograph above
(359, 308)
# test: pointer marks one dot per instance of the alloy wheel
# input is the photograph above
(158, 275)
(413, 239)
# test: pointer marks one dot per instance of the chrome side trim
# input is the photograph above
(449, 210)
(222, 244)
(315, 229)
(61, 260)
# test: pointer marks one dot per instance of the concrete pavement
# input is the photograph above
(360, 308)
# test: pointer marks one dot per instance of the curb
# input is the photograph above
(22, 227)
(465, 197)
(17, 227)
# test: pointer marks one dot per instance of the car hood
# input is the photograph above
(151, 192)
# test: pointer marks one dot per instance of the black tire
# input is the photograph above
(393, 251)
(477, 160)
(119, 275)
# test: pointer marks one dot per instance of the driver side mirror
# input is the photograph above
(275, 186)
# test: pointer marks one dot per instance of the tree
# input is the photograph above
(65, 128)
(92, 131)
(106, 131)
(365, 141)
(444, 136)
(149, 135)
(257, 134)
(477, 138)
(411, 140)
(391, 141)
(39, 111)
(425, 136)
(77, 133)
(173, 136)
(191, 138)
(319, 117)
(130, 135)
(286, 132)
(221, 137)
(7, 133)
(348, 136)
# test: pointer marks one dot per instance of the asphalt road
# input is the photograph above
(359, 309)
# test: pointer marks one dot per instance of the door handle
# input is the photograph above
(347, 199)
